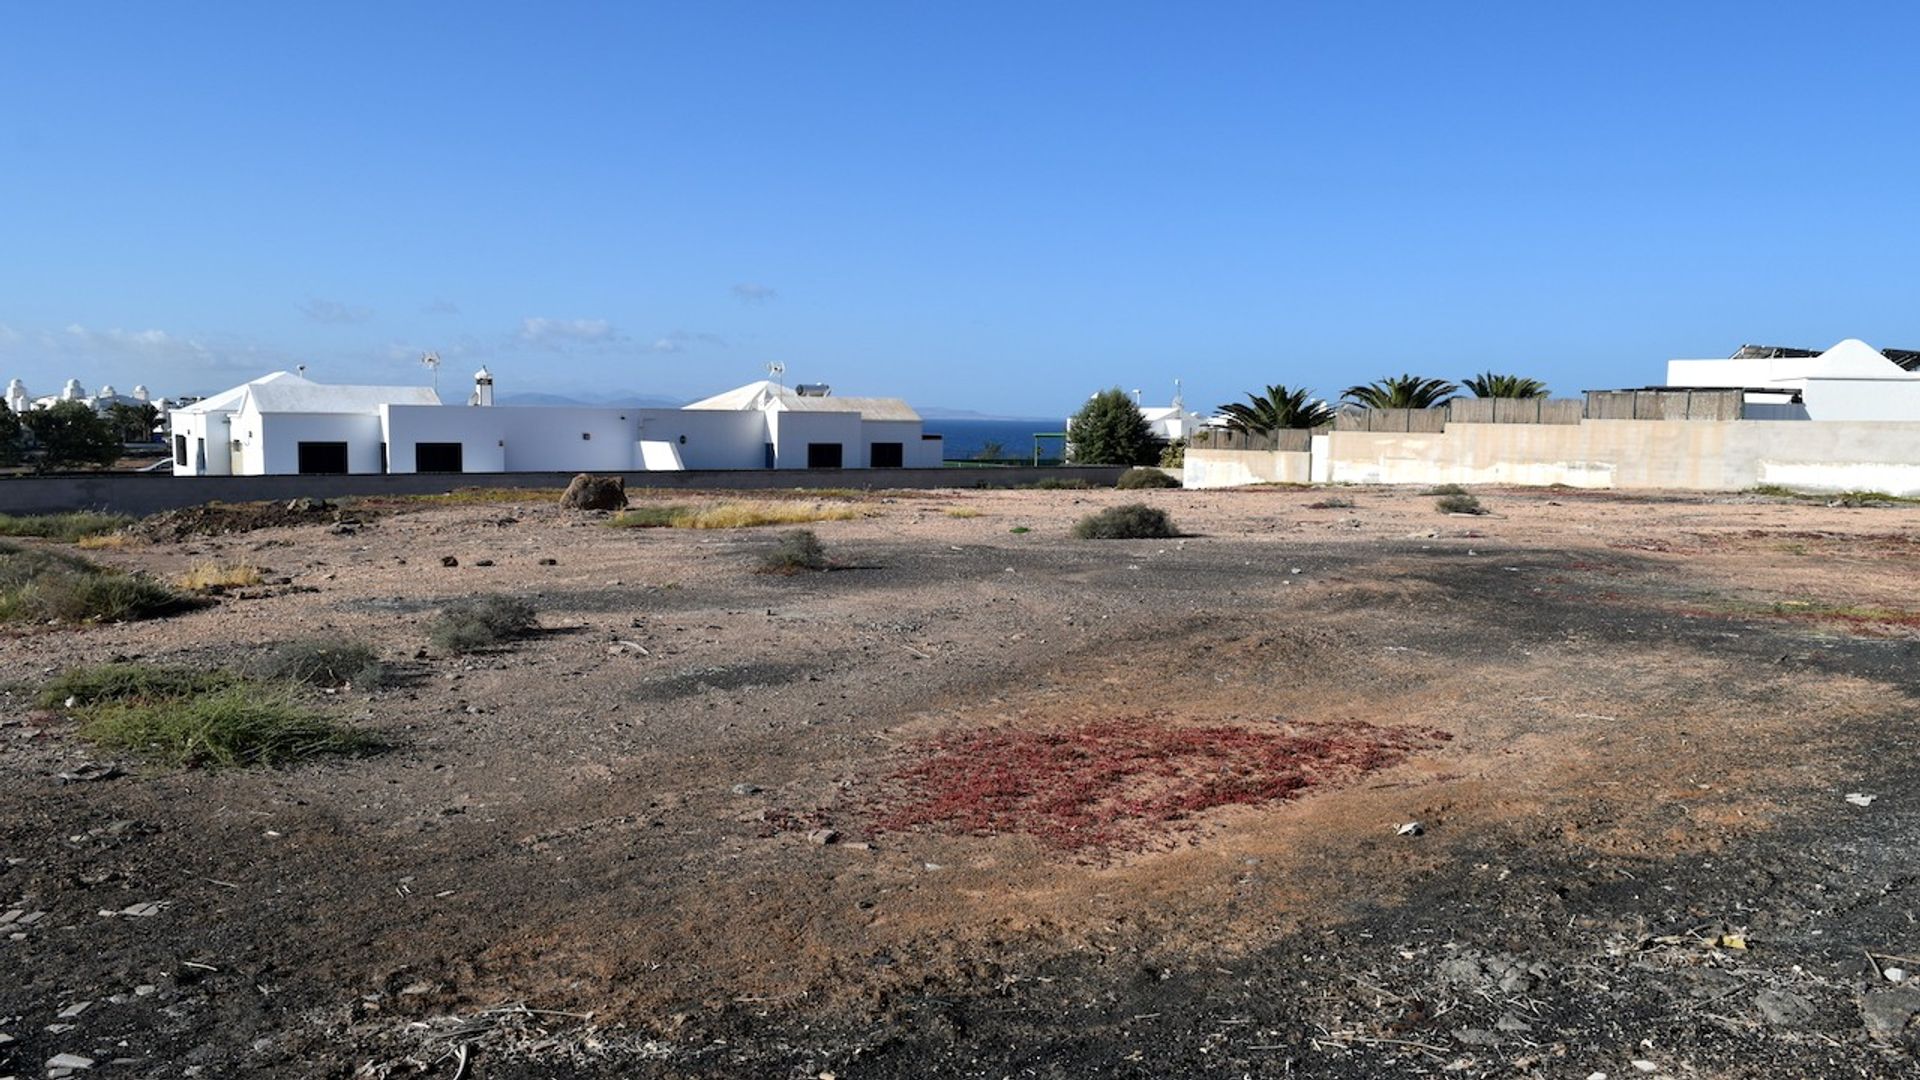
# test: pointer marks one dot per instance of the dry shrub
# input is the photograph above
(1114, 783)
(1458, 504)
(734, 515)
(213, 577)
(324, 662)
(1143, 478)
(481, 622)
(1134, 521)
(797, 552)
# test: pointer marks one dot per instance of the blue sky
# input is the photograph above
(992, 206)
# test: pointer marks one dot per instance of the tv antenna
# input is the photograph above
(431, 361)
(775, 370)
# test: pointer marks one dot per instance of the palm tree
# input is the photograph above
(1277, 410)
(1488, 384)
(1402, 392)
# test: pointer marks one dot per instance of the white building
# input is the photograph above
(284, 423)
(1851, 381)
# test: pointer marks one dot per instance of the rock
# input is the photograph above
(746, 789)
(1510, 1022)
(589, 492)
(308, 506)
(549, 562)
(448, 560)
(69, 1061)
(823, 836)
(1888, 1012)
(483, 562)
(1476, 1037)
(1783, 1008)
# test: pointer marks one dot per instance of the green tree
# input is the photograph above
(1111, 430)
(1489, 385)
(11, 437)
(1402, 392)
(1277, 410)
(133, 423)
(70, 434)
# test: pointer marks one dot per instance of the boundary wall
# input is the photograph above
(139, 494)
(1695, 455)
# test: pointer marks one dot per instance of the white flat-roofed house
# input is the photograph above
(285, 423)
(1850, 381)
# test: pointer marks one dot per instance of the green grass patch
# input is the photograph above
(67, 527)
(197, 718)
(324, 662)
(52, 586)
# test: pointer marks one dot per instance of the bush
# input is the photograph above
(71, 433)
(320, 662)
(1175, 455)
(1056, 483)
(238, 724)
(68, 527)
(1134, 521)
(1111, 430)
(798, 550)
(1445, 489)
(1331, 502)
(1142, 478)
(39, 586)
(480, 622)
(1459, 504)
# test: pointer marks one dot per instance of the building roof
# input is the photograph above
(231, 400)
(767, 394)
(310, 397)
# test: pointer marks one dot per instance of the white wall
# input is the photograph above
(713, 438)
(270, 443)
(481, 433)
(1235, 468)
(213, 429)
(792, 431)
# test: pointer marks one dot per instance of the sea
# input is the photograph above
(964, 439)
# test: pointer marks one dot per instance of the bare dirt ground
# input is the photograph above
(1627, 728)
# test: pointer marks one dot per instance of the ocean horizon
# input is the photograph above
(965, 438)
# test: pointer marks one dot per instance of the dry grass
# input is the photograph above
(735, 515)
(115, 541)
(68, 527)
(209, 576)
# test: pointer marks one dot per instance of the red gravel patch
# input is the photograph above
(1116, 783)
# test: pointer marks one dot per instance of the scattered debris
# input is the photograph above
(1411, 828)
(1858, 799)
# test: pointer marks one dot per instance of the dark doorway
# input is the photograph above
(770, 455)
(323, 457)
(179, 449)
(888, 455)
(823, 455)
(437, 457)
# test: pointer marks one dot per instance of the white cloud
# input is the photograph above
(556, 332)
(335, 313)
(680, 341)
(748, 292)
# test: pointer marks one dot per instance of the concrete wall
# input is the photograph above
(1689, 455)
(1232, 468)
(792, 431)
(147, 493)
(271, 444)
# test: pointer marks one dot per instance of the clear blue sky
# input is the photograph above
(993, 206)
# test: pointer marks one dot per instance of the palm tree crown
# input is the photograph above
(1487, 384)
(1402, 392)
(1277, 410)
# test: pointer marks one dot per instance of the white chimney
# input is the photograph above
(483, 387)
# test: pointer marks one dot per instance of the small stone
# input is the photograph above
(1783, 1008)
(1510, 1022)
(745, 789)
(1411, 828)
(1476, 1037)
(145, 989)
(483, 562)
(1644, 1065)
(823, 836)
(74, 1010)
(549, 562)
(448, 560)
(1888, 1012)
(1894, 974)
(69, 1061)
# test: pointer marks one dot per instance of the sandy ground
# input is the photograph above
(593, 852)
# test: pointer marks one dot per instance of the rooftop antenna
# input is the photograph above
(1136, 397)
(300, 370)
(1179, 402)
(775, 370)
(431, 361)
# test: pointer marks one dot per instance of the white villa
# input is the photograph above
(1850, 381)
(285, 423)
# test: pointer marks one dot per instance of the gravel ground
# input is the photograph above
(598, 851)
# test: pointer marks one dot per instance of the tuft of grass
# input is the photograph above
(113, 541)
(50, 586)
(1134, 521)
(1445, 489)
(1144, 478)
(1331, 502)
(324, 662)
(234, 725)
(1460, 503)
(481, 622)
(733, 515)
(1055, 483)
(67, 527)
(97, 684)
(798, 551)
(214, 577)
(962, 512)
(1835, 498)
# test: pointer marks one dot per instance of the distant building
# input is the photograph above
(285, 423)
(1850, 381)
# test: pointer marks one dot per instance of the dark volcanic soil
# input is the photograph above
(593, 853)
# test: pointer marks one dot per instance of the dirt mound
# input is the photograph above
(1115, 783)
(589, 492)
(221, 519)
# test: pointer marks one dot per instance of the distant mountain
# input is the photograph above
(632, 401)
